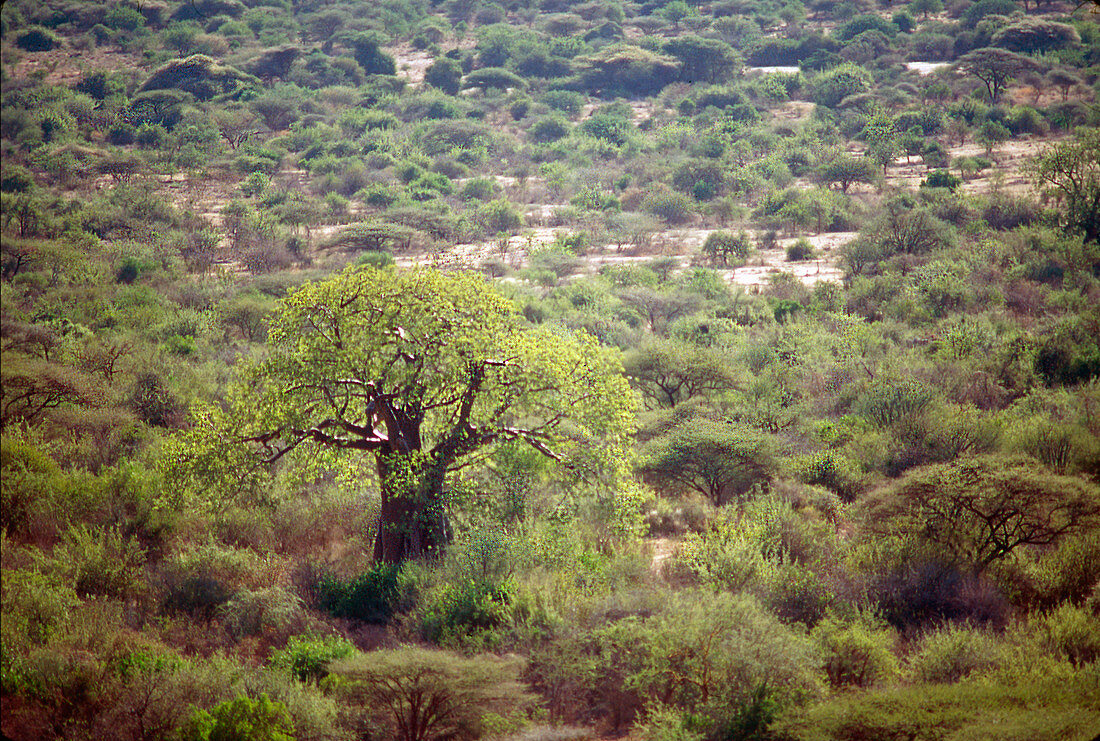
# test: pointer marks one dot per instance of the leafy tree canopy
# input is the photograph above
(994, 67)
(423, 371)
(719, 460)
(1070, 171)
(976, 511)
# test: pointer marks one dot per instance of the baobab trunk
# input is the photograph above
(412, 523)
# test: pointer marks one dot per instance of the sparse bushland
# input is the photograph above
(829, 332)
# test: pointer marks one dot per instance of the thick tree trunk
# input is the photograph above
(412, 523)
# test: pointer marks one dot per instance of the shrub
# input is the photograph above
(37, 39)
(1042, 709)
(478, 189)
(499, 216)
(663, 723)
(1069, 631)
(199, 595)
(493, 77)
(101, 563)
(665, 203)
(941, 179)
(835, 471)
(922, 591)
(549, 129)
(424, 695)
(611, 126)
(857, 652)
(375, 258)
(886, 403)
(260, 611)
(953, 653)
(567, 101)
(831, 87)
(704, 654)
(307, 657)
(242, 719)
(444, 74)
(372, 597)
(800, 250)
(1069, 573)
(471, 592)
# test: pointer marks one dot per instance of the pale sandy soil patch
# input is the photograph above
(925, 68)
(681, 244)
(663, 549)
(782, 69)
(411, 63)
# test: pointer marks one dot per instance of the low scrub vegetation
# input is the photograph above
(427, 371)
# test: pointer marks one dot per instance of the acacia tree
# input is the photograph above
(426, 373)
(433, 695)
(994, 67)
(846, 170)
(667, 372)
(719, 460)
(979, 510)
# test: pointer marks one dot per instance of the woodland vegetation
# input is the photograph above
(388, 369)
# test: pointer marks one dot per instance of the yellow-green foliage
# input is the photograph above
(1061, 707)
(953, 653)
(857, 652)
(701, 652)
(424, 695)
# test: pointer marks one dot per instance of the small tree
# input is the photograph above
(1070, 171)
(926, 7)
(434, 695)
(720, 246)
(845, 170)
(976, 511)
(668, 372)
(990, 134)
(882, 140)
(995, 68)
(371, 58)
(444, 74)
(1064, 80)
(719, 460)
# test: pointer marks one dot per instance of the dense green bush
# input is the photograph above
(859, 652)
(241, 719)
(372, 597)
(953, 653)
(307, 657)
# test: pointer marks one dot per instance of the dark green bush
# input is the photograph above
(800, 250)
(941, 179)
(372, 597)
(37, 39)
(566, 101)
